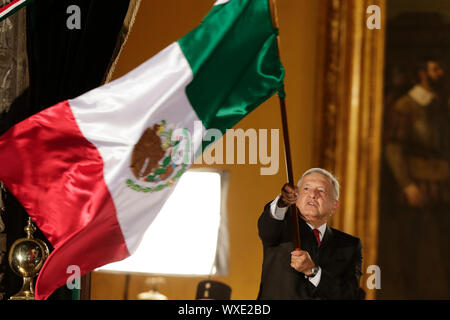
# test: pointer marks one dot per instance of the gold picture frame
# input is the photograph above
(349, 116)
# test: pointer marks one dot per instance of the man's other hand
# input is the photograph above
(302, 262)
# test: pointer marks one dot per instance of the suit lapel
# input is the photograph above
(307, 237)
(328, 245)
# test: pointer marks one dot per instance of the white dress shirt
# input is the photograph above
(279, 213)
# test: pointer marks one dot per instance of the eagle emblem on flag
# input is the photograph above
(152, 160)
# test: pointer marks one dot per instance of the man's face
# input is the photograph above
(315, 200)
(435, 73)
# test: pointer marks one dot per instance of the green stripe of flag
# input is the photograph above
(234, 57)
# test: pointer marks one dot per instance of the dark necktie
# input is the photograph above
(317, 233)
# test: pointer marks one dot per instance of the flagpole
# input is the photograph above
(287, 148)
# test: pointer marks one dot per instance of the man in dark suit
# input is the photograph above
(328, 266)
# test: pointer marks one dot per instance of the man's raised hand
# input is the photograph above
(289, 195)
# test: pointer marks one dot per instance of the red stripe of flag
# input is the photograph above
(57, 175)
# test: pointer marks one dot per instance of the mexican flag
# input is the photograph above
(93, 172)
(10, 8)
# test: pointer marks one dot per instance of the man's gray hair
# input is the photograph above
(327, 174)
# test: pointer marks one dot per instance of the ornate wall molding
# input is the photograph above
(349, 117)
(13, 58)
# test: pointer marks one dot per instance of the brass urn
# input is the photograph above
(26, 257)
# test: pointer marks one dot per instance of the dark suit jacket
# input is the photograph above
(339, 257)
